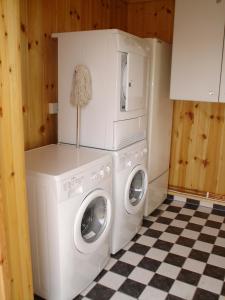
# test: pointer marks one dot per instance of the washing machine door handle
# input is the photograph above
(136, 189)
(93, 221)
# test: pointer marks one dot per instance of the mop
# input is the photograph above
(81, 93)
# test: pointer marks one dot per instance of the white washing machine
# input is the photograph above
(130, 182)
(69, 196)
(116, 115)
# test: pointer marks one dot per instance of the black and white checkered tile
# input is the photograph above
(179, 253)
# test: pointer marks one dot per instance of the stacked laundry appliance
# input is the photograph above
(115, 119)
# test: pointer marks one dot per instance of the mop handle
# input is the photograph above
(78, 126)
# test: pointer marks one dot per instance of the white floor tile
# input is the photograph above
(191, 234)
(169, 214)
(199, 221)
(128, 245)
(169, 237)
(216, 218)
(131, 258)
(183, 290)
(152, 293)
(220, 242)
(206, 209)
(180, 199)
(157, 254)
(141, 275)
(164, 206)
(159, 226)
(210, 231)
(216, 260)
(187, 211)
(223, 226)
(210, 284)
(87, 290)
(121, 296)
(178, 223)
(142, 230)
(194, 265)
(168, 270)
(112, 280)
(180, 250)
(202, 246)
(146, 240)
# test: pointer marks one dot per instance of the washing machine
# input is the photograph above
(69, 197)
(130, 181)
(115, 117)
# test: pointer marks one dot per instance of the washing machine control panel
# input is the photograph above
(132, 158)
(80, 183)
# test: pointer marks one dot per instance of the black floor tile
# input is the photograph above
(172, 297)
(199, 255)
(183, 217)
(221, 233)
(189, 277)
(79, 297)
(156, 213)
(149, 264)
(194, 227)
(146, 223)
(214, 271)
(201, 294)
(175, 209)
(122, 268)
(118, 254)
(191, 206)
(161, 282)
(223, 289)
(153, 233)
(185, 242)
(174, 230)
(139, 248)
(132, 288)
(219, 250)
(136, 237)
(213, 224)
(218, 212)
(103, 272)
(36, 297)
(163, 245)
(175, 260)
(200, 214)
(207, 238)
(100, 292)
(164, 220)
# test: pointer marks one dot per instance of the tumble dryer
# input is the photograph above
(69, 197)
(116, 115)
(130, 182)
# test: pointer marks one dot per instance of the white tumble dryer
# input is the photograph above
(130, 182)
(115, 117)
(69, 197)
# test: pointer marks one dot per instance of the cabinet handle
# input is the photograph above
(211, 92)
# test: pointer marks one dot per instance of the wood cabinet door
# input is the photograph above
(197, 49)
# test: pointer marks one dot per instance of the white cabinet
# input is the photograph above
(198, 51)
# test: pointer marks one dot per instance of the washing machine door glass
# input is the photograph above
(136, 189)
(92, 221)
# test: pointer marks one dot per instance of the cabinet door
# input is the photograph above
(197, 49)
(222, 81)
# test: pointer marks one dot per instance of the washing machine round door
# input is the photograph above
(136, 189)
(92, 221)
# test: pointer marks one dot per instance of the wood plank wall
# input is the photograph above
(15, 261)
(39, 54)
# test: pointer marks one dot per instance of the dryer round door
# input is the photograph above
(92, 221)
(136, 189)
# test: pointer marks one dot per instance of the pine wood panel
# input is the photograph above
(153, 18)
(15, 262)
(198, 147)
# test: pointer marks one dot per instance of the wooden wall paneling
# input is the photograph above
(18, 279)
(153, 18)
(118, 14)
(198, 147)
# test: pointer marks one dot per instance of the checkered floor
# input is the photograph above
(179, 253)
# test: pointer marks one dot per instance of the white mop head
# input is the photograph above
(81, 90)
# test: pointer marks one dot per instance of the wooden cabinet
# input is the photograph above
(197, 58)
